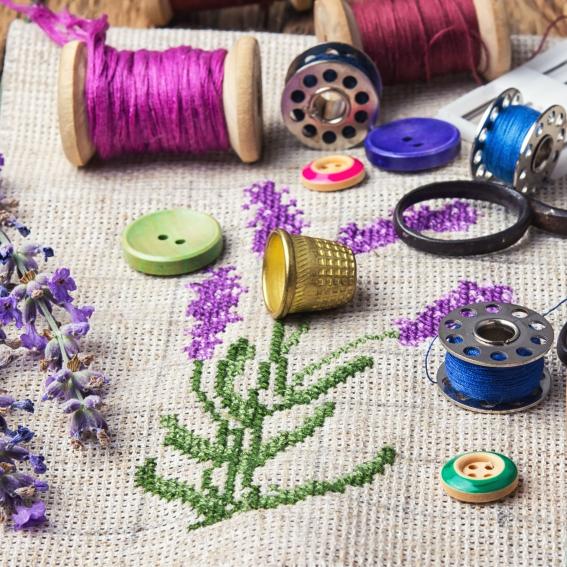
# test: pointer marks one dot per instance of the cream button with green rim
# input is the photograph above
(479, 477)
(173, 242)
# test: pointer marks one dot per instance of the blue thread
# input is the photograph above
(504, 140)
(493, 384)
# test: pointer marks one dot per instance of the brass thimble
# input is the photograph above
(301, 273)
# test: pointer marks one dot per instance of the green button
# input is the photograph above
(170, 243)
(480, 476)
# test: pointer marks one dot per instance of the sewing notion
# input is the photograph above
(333, 173)
(413, 144)
(301, 273)
(494, 361)
(419, 39)
(517, 144)
(541, 82)
(331, 96)
(479, 477)
(171, 243)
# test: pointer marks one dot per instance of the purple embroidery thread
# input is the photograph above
(452, 217)
(272, 212)
(214, 309)
(143, 101)
(426, 324)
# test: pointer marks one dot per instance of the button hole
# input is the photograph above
(180, 241)
(163, 237)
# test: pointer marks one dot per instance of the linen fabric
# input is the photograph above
(97, 514)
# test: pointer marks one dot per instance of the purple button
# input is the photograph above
(413, 144)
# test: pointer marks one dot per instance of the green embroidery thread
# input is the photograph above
(215, 503)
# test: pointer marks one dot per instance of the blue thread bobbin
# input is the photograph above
(516, 145)
(495, 357)
(331, 96)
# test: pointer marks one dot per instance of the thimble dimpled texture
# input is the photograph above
(326, 274)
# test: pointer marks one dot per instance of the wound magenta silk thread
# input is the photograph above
(152, 102)
(143, 101)
(411, 40)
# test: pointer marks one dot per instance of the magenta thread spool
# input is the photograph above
(229, 112)
(181, 100)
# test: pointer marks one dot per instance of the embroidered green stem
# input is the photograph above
(214, 511)
(239, 448)
(309, 370)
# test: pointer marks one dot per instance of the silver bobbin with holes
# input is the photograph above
(331, 96)
(497, 335)
(540, 147)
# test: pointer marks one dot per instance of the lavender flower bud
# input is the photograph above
(92, 402)
(53, 352)
(72, 405)
(19, 292)
(6, 401)
(75, 329)
(60, 284)
(24, 405)
(9, 311)
(29, 516)
(41, 486)
(29, 312)
(6, 252)
(38, 464)
(78, 314)
(70, 345)
(21, 435)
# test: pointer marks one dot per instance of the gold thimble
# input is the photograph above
(301, 273)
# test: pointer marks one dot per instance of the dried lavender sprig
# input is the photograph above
(18, 489)
(38, 294)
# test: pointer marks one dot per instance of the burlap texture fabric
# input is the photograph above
(402, 517)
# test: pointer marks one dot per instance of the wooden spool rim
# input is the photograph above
(334, 21)
(242, 101)
(242, 98)
(301, 5)
(159, 12)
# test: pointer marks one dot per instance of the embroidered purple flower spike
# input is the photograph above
(214, 309)
(426, 324)
(19, 489)
(273, 210)
(457, 216)
(37, 303)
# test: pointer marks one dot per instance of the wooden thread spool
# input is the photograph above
(242, 101)
(334, 21)
(189, 6)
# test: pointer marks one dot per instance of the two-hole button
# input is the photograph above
(172, 242)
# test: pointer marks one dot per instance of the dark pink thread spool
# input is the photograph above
(412, 40)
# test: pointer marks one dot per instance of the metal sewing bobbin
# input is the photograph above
(495, 336)
(331, 96)
(538, 151)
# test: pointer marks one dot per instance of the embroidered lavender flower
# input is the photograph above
(214, 309)
(19, 490)
(426, 324)
(38, 303)
(456, 216)
(273, 210)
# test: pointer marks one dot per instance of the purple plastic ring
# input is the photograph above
(413, 144)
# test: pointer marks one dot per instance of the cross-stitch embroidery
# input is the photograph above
(236, 416)
(456, 216)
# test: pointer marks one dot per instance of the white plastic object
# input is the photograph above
(542, 82)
